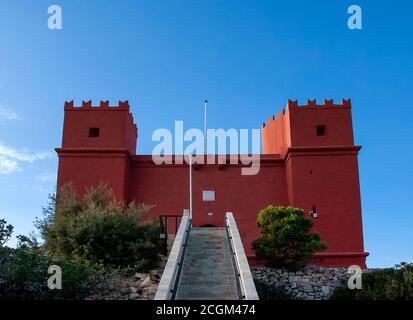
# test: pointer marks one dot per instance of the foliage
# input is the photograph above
(384, 284)
(6, 230)
(23, 273)
(49, 211)
(27, 242)
(268, 291)
(98, 229)
(286, 240)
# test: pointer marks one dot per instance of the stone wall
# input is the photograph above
(311, 283)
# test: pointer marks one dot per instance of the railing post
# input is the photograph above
(167, 284)
(176, 224)
(166, 226)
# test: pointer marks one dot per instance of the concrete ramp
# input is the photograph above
(208, 270)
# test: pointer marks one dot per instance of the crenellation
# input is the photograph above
(312, 103)
(87, 104)
(346, 103)
(103, 104)
(69, 104)
(123, 104)
(328, 102)
(292, 103)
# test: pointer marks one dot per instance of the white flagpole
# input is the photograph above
(205, 126)
(190, 186)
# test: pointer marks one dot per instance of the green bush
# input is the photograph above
(23, 274)
(98, 230)
(286, 240)
(385, 284)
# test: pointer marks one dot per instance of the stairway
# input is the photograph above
(208, 271)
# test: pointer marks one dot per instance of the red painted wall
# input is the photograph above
(298, 168)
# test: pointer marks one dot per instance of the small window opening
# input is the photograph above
(321, 130)
(94, 132)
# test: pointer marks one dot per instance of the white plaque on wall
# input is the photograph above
(208, 195)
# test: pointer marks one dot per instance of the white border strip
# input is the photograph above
(246, 279)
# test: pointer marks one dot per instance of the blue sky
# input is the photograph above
(246, 57)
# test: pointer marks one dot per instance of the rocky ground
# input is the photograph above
(122, 286)
(311, 283)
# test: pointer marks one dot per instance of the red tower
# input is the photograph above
(308, 160)
(320, 159)
(97, 145)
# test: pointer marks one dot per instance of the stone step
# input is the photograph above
(215, 267)
(222, 290)
(207, 282)
(208, 271)
(199, 277)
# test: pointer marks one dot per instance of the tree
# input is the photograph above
(97, 229)
(286, 240)
(49, 211)
(6, 230)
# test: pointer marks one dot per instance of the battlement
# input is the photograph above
(99, 126)
(313, 104)
(122, 105)
(293, 104)
(103, 106)
(328, 124)
(273, 118)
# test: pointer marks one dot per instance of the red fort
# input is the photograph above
(308, 160)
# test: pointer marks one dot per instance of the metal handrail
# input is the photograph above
(246, 281)
(164, 222)
(181, 262)
(170, 276)
(163, 225)
(234, 263)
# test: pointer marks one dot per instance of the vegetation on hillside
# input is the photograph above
(85, 237)
(382, 284)
(97, 229)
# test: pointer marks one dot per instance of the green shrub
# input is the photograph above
(385, 284)
(286, 240)
(99, 230)
(23, 275)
